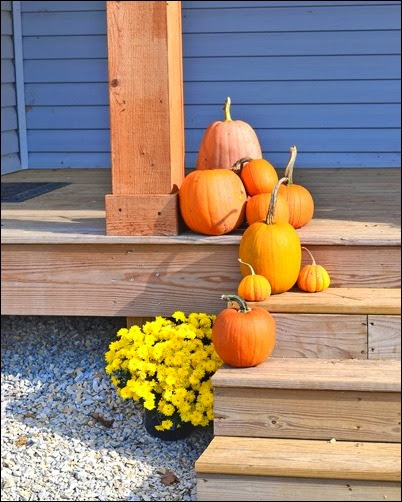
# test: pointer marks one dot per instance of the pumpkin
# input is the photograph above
(300, 200)
(257, 207)
(244, 336)
(313, 278)
(258, 175)
(272, 248)
(225, 142)
(253, 287)
(212, 202)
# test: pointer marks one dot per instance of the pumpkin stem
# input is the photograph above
(226, 109)
(311, 256)
(238, 166)
(272, 203)
(237, 299)
(291, 163)
(248, 264)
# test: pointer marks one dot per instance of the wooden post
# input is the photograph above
(146, 117)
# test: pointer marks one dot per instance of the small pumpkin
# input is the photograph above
(225, 142)
(313, 278)
(258, 175)
(212, 202)
(272, 248)
(257, 208)
(300, 200)
(253, 287)
(243, 336)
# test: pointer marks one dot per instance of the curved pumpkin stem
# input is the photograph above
(235, 298)
(311, 256)
(226, 110)
(248, 264)
(238, 166)
(291, 163)
(272, 203)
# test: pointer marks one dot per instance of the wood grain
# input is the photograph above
(301, 458)
(303, 414)
(384, 337)
(314, 374)
(265, 488)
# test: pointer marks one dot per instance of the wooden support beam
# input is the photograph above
(146, 117)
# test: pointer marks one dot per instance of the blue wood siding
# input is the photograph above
(322, 75)
(10, 160)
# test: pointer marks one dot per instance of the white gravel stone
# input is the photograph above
(53, 381)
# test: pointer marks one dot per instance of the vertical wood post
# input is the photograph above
(146, 117)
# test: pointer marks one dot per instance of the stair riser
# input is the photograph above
(307, 414)
(264, 488)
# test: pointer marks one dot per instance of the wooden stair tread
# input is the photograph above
(335, 301)
(319, 374)
(301, 458)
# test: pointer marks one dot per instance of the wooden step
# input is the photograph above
(242, 468)
(356, 400)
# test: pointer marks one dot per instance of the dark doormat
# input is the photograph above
(25, 190)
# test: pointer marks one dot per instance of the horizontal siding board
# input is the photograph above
(7, 50)
(69, 140)
(290, 44)
(7, 71)
(10, 163)
(9, 142)
(65, 47)
(68, 117)
(45, 160)
(367, 17)
(313, 160)
(291, 68)
(61, 6)
(6, 23)
(9, 120)
(267, 92)
(8, 97)
(5, 5)
(63, 94)
(64, 23)
(81, 70)
(280, 3)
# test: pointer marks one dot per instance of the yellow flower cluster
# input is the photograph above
(167, 364)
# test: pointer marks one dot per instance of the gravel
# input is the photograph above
(56, 401)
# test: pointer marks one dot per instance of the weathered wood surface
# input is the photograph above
(314, 374)
(273, 488)
(336, 301)
(304, 414)
(301, 458)
(384, 337)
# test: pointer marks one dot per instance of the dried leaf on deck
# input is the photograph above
(169, 478)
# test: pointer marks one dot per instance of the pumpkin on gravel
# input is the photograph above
(212, 202)
(226, 141)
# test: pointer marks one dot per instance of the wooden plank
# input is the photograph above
(314, 374)
(78, 70)
(7, 71)
(282, 3)
(301, 458)
(384, 337)
(67, 94)
(9, 142)
(260, 488)
(61, 6)
(67, 118)
(138, 321)
(65, 47)
(7, 50)
(336, 300)
(64, 23)
(10, 163)
(321, 335)
(303, 414)
(86, 160)
(8, 95)
(8, 118)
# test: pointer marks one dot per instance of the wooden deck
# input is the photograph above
(57, 260)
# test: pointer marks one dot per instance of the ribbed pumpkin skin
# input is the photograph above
(244, 339)
(300, 203)
(259, 176)
(273, 251)
(257, 208)
(254, 288)
(212, 202)
(313, 278)
(225, 142)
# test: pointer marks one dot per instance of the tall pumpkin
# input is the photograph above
(300, 200)
(225, 142)
(212, 202)
(272, 248)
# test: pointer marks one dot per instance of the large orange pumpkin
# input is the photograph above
(300, 200)
(243, 337)
(273, 249)
(212, 202)
(225, 142)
